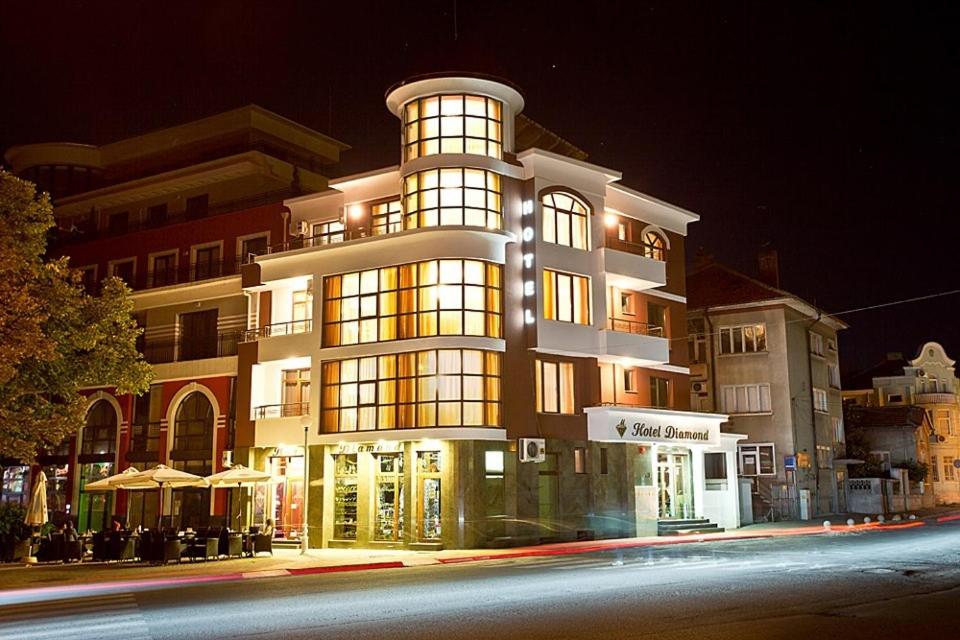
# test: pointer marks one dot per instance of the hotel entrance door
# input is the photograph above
(674, 484)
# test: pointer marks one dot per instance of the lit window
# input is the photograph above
(452, 124)
(746, 339)
(630, 380)
(824, 457)
(99, 435)
(430, 298)
(654, 246)
(757, 460)
(949, 472)
(436, 388)
(566, 297)
(328, 232)
(387, 218)
(554, 382)
(579, 460)
(565, 220)
(441, 197)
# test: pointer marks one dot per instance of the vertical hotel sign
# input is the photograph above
(528, 225)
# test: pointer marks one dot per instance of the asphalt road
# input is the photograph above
(892, 584)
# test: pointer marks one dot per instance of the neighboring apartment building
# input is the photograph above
(769, 359)
(478, 345)
(173, 212)
(928, 381)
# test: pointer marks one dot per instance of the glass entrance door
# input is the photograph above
(674, 484)
(287, 472)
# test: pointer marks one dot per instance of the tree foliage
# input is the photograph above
(55, 339)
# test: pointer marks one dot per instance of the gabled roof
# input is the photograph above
(905, 416)
(715, 285)
(530, 134)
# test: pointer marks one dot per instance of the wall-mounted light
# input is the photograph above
(611, 220)
(356, 211)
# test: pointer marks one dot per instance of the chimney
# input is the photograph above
(769, 266)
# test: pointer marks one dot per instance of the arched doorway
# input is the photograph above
(97, 459)
(193, 452)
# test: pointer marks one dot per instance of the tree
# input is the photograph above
(55, 338)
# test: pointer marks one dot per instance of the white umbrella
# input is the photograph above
(37, 509)
(110, 483)
(160, 477)
(237, 476)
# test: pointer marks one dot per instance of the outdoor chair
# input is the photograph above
(101, 550)
(262, 543)
(205, 545)
(170, 550)
(73, 550)
(51, 550)
(122, 547)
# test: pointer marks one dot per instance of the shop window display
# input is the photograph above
(428, 476)
(389, 497)
(345, 497)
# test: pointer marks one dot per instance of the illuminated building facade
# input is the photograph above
(483, 345)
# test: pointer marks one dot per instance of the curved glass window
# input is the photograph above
(654, 246)
(435, 388)
(440, 197)
(100, 431)
(452, 124)
(431, 298)
(193, 430)
(565, 220)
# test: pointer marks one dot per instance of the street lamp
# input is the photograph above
(305, 423)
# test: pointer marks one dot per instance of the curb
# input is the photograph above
(524, 553)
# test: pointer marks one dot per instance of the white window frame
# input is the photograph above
(747, 449)
(250, 236)
(838, 434)
(152, 267)
(630, 376)
(884, 457)
(832, 345)
(195, 249)
(949, 471)
(824, 456)
(833, 375)
(761, 391)
(816, 344)
(821, 400)
(949, 422)
(112, 265)
(727, 333)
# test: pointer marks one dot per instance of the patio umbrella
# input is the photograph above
(110, 483)
(160, 477)
(37, 509)
(237, 476)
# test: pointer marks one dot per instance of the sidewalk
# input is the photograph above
(285, 562)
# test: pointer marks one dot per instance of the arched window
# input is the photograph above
(100, 431)
(565, 220)
(654, 246)
(193, 429)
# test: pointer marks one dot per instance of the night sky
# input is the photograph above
(829, 133)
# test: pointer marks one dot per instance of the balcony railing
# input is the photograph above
(185, 349)
(636, 248)
(87, 229)
(277, 329)
(285, 410)
(633, 326)
(936, 398)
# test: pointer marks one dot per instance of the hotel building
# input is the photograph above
(482, 345)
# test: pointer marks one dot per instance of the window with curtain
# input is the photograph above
(452, 124)
(434, 388)
(456, 196)
(554, 384)
(328, 232)
(565, 220)
(429, 298)
(566, 297)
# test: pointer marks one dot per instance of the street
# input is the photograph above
(889, 584)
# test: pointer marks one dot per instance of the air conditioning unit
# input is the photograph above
(532, 449)
(301, 228)
(226, 459)
(699, 386)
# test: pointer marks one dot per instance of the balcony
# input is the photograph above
(632, 326)
(285, 410)
(628, 268)
(187, 349)
(936, 398)
(290, 328)
(639, 342)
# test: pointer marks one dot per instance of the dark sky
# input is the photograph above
(829, 132)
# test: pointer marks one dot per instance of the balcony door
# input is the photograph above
(296, 392)
(198, 335)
